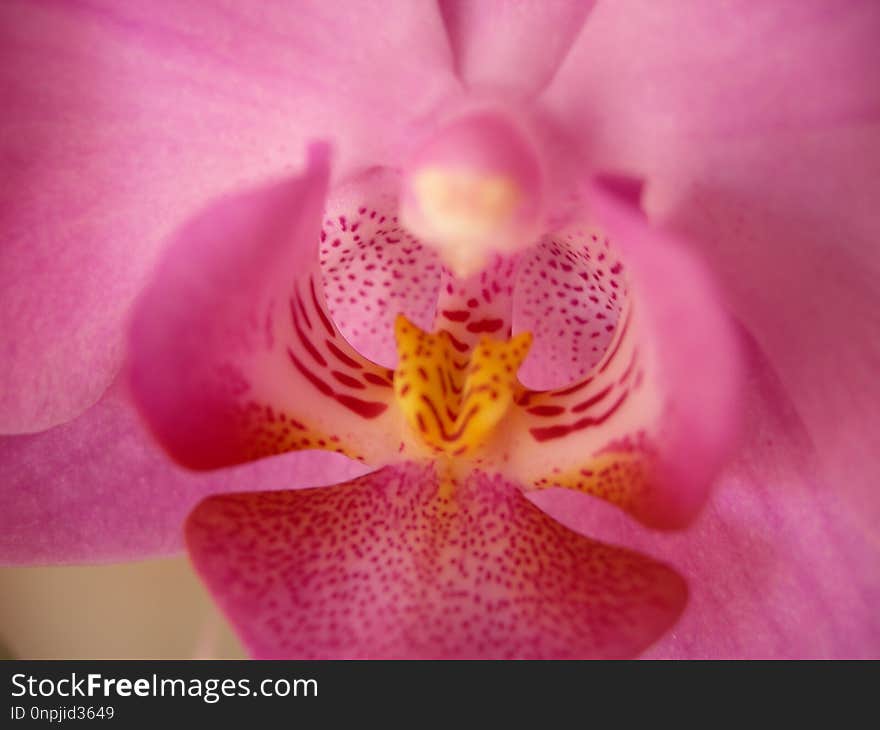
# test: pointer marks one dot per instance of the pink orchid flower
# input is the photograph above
(379, 307)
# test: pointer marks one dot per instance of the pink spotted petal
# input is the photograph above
(571, 290)
(513, 45)
(651, 424)
(777, 564)
(122, 118)
(233, 353)
(98, 488)
(372, 268)
(387, 567)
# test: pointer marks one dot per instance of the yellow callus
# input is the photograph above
(453, 400)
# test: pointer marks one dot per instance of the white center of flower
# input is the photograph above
(461, 208)
(474, 188)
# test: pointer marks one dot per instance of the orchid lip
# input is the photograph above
(277, 366)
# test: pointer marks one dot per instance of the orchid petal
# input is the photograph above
(651, 425)
(570, 295)
(122, 118)
(372, 268)
(98, 489)
(234, 356)
(790, 227)
(509, 44)
(651, 86)
(777, 564)
(398, 565)
(777, 186)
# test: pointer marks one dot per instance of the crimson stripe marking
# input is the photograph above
(366, 409)
(310, 376)
(619, 343)
(485, 325)
(316, 356)
(554, 432)
(302, 308)
(546, 410)
(629, 368)
(528, 395)
(376, 380)
(341, 356)
(347, 380)
(591, 401)
(456, 315)
(320, 310)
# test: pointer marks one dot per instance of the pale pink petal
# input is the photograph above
(516, 45)
(98, 489)
(121, 118)
(233, 354)
(651, 83)
(399, 565)
(777, 564)
(651, 424)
